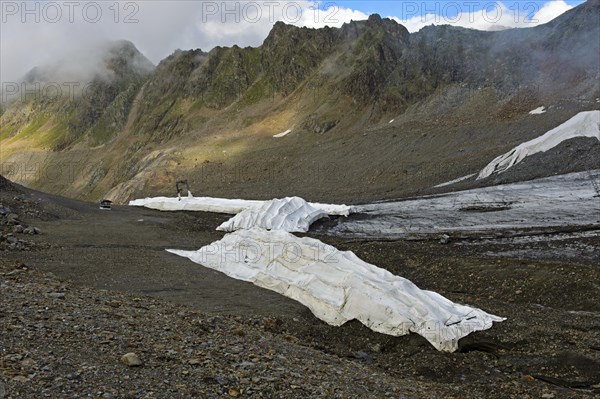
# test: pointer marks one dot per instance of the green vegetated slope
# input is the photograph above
(374, 111)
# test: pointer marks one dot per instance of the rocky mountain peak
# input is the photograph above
(106, 61)
(123, 55)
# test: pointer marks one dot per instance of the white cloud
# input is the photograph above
(495, 16)
(551, 10)
(157, 28)
(332, 16)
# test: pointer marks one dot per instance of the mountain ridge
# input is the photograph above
(335, 88)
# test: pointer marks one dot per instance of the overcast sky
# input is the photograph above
(40, 32)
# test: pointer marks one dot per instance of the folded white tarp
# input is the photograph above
(291, 214)
(338, 286)
(584, 124)
(221, 205)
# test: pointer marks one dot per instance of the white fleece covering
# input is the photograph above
(291, 214)
(338, 286)
(584, 124)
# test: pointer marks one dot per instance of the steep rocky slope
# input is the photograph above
(56, 106)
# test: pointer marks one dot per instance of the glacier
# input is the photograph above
(543, 204)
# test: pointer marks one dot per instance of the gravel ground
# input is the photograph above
(92, 306)
(64, 341)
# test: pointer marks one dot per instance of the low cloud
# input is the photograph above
(38, 33)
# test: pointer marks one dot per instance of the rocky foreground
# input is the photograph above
(59, 340)
(62, 341)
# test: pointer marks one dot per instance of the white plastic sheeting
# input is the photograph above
(203, 204)
(584, 124)
(338, 286)
(222, 205)
(291, 214)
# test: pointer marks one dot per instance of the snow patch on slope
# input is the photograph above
(292, 214)
(338, 286)
(448, 183)
(584, 124)
(283, 134)
(222, 205)
(538, 111)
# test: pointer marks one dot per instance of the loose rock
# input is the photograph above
(131, 359)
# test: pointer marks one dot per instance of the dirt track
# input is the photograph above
(548, 345)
